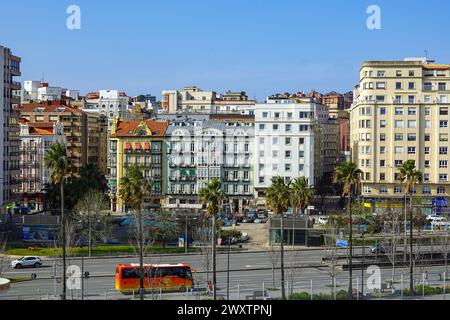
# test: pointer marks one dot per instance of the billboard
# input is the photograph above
(37, 234)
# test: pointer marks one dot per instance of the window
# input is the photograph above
(275, 127)
(411, 73)
(398, 85)
(443, 164)
(443, 137)
(411, 137)
(399, 124)
(382, 176)
(398, 150)
(427, 99)
(427, 111)
(381, 73)
(398, 163)
(382, 150)
(411, 99)
(303, 128)
(381, 85)
(382, 163)
(412, 111)
(265, 114)
(275, 141)
(443, 111)
(442, 86)
(398, 189)
(380, 98)
(277, 115)
(289, 115)
(383, 124)
(427, 124)
(398, 73)
(367, 189)
(275, 153)
(288, 141)
(288, 167)
(443, 124)
(288, 128)
(427, 150)
(427, 164)
(426, 177)
(262, 126)
(383, 111)
(398, 111)
(287, 154)
(441, 190)
(383, 189)
(426, 190)
(411, 150)
(411, 85)
(399, 137)
(302, 141)
(382, 137)
(398, 100)
(412, 124)
(443, 150)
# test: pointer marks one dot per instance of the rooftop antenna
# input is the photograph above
(426, 54)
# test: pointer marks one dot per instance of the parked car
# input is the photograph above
(434, 218)
(258, 220)
(378, 248)
(33, 262)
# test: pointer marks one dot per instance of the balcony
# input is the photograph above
(15, 85)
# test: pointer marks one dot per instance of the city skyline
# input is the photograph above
(246, 52)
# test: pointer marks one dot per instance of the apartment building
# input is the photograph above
(38, 91)
(36, 139)
(83, 130)
(234, 102)
(141, 143)
(190, 99)
(9, 126)
(401, 112)
(203, 150)
(288, 140)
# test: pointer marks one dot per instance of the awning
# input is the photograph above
(128, 146)
(138, 146)
(147, 146)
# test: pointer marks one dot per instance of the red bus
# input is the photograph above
(157, 277)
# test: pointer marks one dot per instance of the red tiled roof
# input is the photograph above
(127, 129)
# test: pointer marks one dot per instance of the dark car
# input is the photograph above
(378, 248)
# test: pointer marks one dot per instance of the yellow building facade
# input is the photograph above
(138, 143)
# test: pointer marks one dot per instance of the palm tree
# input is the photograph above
(278, 200)
(133, 187)
(212, 196)
(410, 176)
(349, 175)
(302, 194)
(57, 162)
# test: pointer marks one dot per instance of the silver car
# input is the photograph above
(31, 262)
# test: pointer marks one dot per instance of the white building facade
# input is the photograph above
(288, 141)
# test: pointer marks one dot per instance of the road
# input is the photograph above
(249, 271)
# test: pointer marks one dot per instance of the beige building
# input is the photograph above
(401, 112)
(190, 99)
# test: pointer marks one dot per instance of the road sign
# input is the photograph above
(342, 243)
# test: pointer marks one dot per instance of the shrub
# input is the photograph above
(300, 296)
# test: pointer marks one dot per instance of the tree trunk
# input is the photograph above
(214, 256)
(141, 257)
(350, 269)
(411, 266)
(63, 222)
(90, 236)
(283, 291)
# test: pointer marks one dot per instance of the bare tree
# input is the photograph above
(91, 212)
(294, 270)
(204, 238)
(274, 255)
(335, 223)
(392, 227)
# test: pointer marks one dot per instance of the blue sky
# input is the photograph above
(261, 46)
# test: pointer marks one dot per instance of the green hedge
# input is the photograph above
(340, 295)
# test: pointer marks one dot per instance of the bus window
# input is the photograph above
(130, 274)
